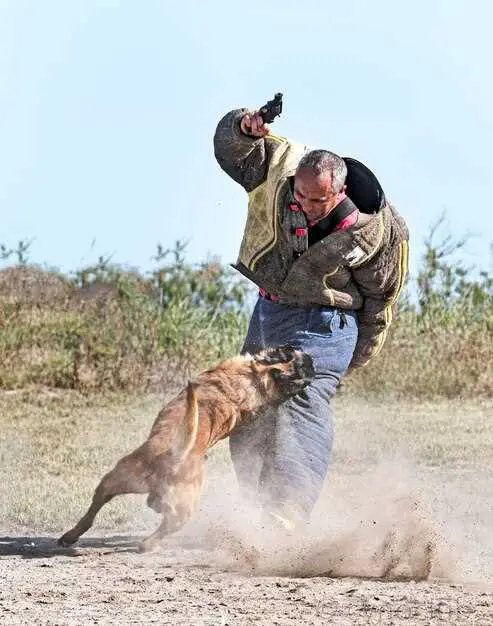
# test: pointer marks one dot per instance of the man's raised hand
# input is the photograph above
(253, 124)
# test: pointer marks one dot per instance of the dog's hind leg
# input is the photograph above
(128, 476)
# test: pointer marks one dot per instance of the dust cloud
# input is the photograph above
(375, 525)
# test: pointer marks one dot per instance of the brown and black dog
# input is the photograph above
(169, 465)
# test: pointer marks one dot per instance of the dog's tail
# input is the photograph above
(191, 422)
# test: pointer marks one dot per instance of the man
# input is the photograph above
(329, 256)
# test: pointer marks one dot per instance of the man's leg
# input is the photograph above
(283, 456)
(300, 453)
(299, 456)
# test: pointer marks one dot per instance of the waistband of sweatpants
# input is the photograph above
(265, 295)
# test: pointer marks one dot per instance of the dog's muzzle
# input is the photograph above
(300, 375)
(304, 367)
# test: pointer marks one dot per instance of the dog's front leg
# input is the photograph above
(170, 524)
(177, 501)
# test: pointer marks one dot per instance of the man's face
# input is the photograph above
(314, 194)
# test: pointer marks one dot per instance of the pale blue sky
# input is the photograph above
(108, 107)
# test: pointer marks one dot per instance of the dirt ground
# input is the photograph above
(402, 533)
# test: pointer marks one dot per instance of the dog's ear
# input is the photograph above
(280, 354)
(190, 426)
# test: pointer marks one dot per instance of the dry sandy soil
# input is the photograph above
(403, 533)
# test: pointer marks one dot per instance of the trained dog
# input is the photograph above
(169, 465)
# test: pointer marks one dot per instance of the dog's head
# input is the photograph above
(284, 371)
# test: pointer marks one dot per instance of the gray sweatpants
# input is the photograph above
(281, 457)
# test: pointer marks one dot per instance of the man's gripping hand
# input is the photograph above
(252, 124)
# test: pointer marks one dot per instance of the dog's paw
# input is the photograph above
(66, 540)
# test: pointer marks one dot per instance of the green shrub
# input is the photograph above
(442, 344)
(112, 328)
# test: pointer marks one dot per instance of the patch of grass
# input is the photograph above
(112, 329)
(449, 361)
(54, 450)
(55, 447)
(432, 433)
(122, 341)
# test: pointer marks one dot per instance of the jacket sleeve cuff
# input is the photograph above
(230, 140)
(367, 348)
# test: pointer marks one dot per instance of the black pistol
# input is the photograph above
(272, 109)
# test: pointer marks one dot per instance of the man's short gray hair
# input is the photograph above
(325, 162)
